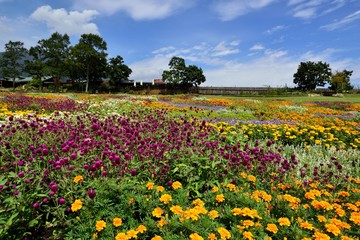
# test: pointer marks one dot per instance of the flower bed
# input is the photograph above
(132, 167)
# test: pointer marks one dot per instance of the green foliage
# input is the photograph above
(340, 81)
(118, 72)
(310, 75)
(10, 62)
(181, 75)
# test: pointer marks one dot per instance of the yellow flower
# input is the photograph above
(157, 212)
(284, 221)
(117, 222)
(161, 222)
(252, 178)
(220, 198)
(321, 218)
(160, 188)
(165, 198)
(176, 185)
(248, 235)
(121, 236)
(95, 235)
(332, 228)
(176, 209)
(248, 223)
(272, 228)
(156, 238)
(320, 236)
(77, 205)
(141, 228)
(213, 214)
(215, 189)
(100, 225)
(231, 187)
(224, 233)
(78, 179)
(150, 185)
(306, 225)
(212, 236)
(196, 236)
(131, 234)
(198, 202)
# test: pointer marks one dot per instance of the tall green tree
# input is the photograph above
(181, 75)
(340, 81)
(36, 65)
(118, 72)
(194, 76)
(53, 53)
(176, 73)
(309, 75)
(90, 53)
(11, 64)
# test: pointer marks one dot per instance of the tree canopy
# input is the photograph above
(118, 72)
(10, 62)
(309, 75)
(340, 81)
(181, 75)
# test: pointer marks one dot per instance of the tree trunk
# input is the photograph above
(14, 84)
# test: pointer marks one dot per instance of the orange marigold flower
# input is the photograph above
(141, 228)
(121, 236)
(284, 221)
(157, 212)
(220, 198)
(76, 206)
(355, 218)
(320, 236)
(272, 228)
(224, 233)
(177, 210)
(161, 222)
(306, 225)
(176, 185)
(132, 234)
(248, 223)
(150, 185)
(78, 178)
(321, 218)
(248, 235)
(198, 202)
(213, 214)
(346, 238)
(165, 198)
(95, 235)
(196, 236)
(160, 188)
(215, 189)
(344, 194)
(156, 238)
(212, 236)
(252, 178)
(117, 222)
(231, 187)
(100, 225)
(332, 228)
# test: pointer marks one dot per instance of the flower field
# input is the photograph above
(178, 167)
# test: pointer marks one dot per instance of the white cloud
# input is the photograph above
(257, 47)
(342, 22)
(72, 23)
(231, 9)
(314, 8)
(223, 49)
(275, 29)
(137, 9)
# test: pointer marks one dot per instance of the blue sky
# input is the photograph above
(236, 42)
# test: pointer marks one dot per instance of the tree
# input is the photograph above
(310, 75)
(181, 75)
(90, 53)
(118, 72)
(176, 74)
(50, 56)
(36, 66)
(194, 75)
(10, 62)
(340, 81)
